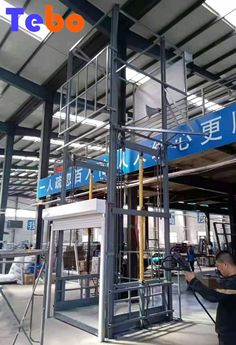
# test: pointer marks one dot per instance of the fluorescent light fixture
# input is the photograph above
(11, 212)
(53, 142)
(33, 175)
(34, 139)
(96, 148)
(226, 9)
(73, 118)
(24, 169)
(23, 174)
(30, 159)
(81, 119)
(93, 122)
(135, 76)
(25, 158)
(59, 142)
(39, 35)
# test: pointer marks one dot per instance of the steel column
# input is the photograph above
(66, 133)
(185, 222)
(165, 164)
(58, 288)
(112, 172)
(208, 227)
(122, 54)
(44, 163)
(5, 182)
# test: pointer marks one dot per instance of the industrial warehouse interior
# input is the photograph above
(117, 172)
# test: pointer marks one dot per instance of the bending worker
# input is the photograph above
(225, 295)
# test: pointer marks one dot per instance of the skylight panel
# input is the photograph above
(39, 35)
(135, 76)
(226, 9)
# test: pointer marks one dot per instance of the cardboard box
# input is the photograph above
(28, 279)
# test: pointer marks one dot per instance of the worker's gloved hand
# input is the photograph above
(189, 276)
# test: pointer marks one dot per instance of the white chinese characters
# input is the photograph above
(183, 142)
(211, 128)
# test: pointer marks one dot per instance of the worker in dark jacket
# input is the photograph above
(225, 295)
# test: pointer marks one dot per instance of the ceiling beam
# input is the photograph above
(228, 149)
(214, 44)
(22, 195)
(22, 177)
(90, 48)
(22, 188)
(24, 168)
(194, 208)
(21, 184)
(193, 195)
(180, 17)
(220, 58)
(26, 85)
(38, 91)
(203, 73)
(199, 31)
(204, 183)
(26, 153)
(136, 9)
(9, 127)
(32, 132)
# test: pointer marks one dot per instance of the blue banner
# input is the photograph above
(219, 127)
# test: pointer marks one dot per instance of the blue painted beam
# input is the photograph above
(36, 90)
(10, 128)
(27, 153)
(90, 13)
(25, 85)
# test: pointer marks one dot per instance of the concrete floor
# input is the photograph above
(195, 329)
